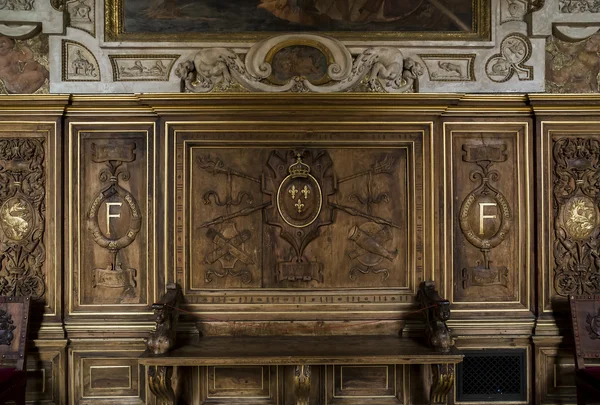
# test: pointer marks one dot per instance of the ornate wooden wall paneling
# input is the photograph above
(191, 124)
(568, 132)
(450, 136)
(31, 232)
(111, 165)
(489, 206)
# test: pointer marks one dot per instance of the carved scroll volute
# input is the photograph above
(22, 217)
(485, 215)
(576, 199)
(115, 200)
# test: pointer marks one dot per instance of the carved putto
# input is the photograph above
(378, 69)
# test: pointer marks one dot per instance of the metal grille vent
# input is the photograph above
(492, 375)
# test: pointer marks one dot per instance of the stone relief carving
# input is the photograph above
(115, 275)
(79, 64)
(579, 6)
(513, 10)
(22, 217)
(515, 50)
(380, 69)
(573, 67)
(24, 5)
(576, 193)
(450, 68)
(58, 5)
(485, 195)
(82, 15)
(142, 67)
(20, 70)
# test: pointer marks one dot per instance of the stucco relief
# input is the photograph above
(20, 68)
(79, 64)
(579, 6)
(515, 50)
(329, 68)
(82, 15)
(21, 5)
(573, 67)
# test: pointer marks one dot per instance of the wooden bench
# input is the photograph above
(435, 349)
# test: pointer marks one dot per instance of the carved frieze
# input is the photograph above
(78, 63)
(142, 67)
(22, 217)
(300, 63)
(579, 6)
(450, 67)
(515, 50)
(576, 196)
(20, 5)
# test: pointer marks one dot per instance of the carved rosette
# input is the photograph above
(22, 217)
(483, 230)
(576, 192)
(114, 275)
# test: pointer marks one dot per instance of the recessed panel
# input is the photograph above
(342, 212)
(488, 193)
(238, 381)
(111, 227)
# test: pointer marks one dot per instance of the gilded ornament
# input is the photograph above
(580, 217)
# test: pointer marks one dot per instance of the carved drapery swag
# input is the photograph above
(22, 217)
(576, 187)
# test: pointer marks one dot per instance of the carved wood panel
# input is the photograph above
(488, 205)
(29, 243)
(106, 374)
(227, 384)
(111, 178)
(570, 212)
(333, 212)
(46, 372)
(350, 384)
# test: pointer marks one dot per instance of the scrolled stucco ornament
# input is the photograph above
(303, 63)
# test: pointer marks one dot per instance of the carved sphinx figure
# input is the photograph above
(392, 68)
(210, 67)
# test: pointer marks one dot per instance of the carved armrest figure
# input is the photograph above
(166, 314)
(436, 311)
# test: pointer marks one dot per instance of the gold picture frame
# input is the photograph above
(114, 24)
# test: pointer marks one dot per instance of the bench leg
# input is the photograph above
(159, 382)
(443, 381)
(302, 384)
